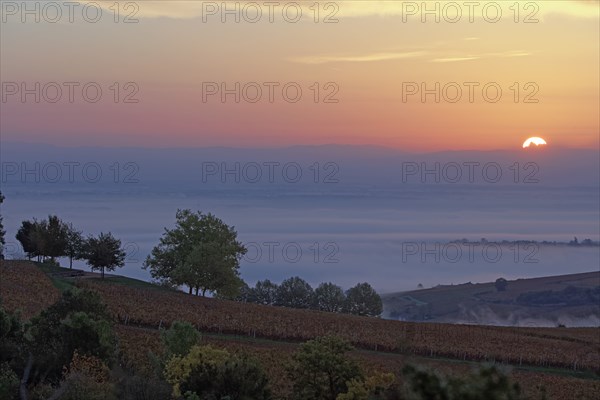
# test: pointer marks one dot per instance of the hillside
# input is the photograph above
(566, 361)
(571, 300)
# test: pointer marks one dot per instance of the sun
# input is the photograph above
(538, 141)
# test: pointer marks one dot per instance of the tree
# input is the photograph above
(501, 284)
(235, 290)
(55, 234)
(209, 373)
(78, 322)
(180, 338)
(104, 253)
(2, 231)
(295, 293)
(75, 242)
(246, 294)
(46, 238)
(320, 370)
(265, 292)
(205, 270)
(329, 297)
(26, 235)
(44, 350)
(201, 252)
(362, 299)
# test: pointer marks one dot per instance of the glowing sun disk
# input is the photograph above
(535, 140)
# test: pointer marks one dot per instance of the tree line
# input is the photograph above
(201, 253)
(295, 292)
(52, 238)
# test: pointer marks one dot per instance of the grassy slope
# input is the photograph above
(472, 302)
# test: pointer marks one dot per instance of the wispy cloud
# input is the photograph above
(360, 58)
(400, 55)
(469, 57)
(453, 59)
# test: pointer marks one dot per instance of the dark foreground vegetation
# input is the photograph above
(70, 351)
(74, 346)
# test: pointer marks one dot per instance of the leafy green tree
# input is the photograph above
(245, 294)
(362, 299)
(235, 290)
(55, 239)
(295, 293)
(201, 252)
(75, 245)
(104, 253)
(265, 292)
(501, 284)
(180, 338)
(28, 236)
(489, 383)
(78, 322)
(46, 238)
(205, 270)
(320, 370)
(329, 297)
(2, 231)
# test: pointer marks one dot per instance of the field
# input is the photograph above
(25, 287)
(482, 303)
(577, 348)
(566, 361)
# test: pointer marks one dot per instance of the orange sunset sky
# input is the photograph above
(371, 52)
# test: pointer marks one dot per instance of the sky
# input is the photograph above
(361, 69)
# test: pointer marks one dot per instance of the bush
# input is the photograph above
(213, 374)
(489, 383)
(180, 338)
(9, 382)
(321, 370)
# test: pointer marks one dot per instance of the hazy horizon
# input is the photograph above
(360, 210)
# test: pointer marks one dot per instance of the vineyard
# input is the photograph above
(25, 287)
(272, 334)
(136, 342)
(575, 349)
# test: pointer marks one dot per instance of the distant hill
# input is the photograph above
(571, 300)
